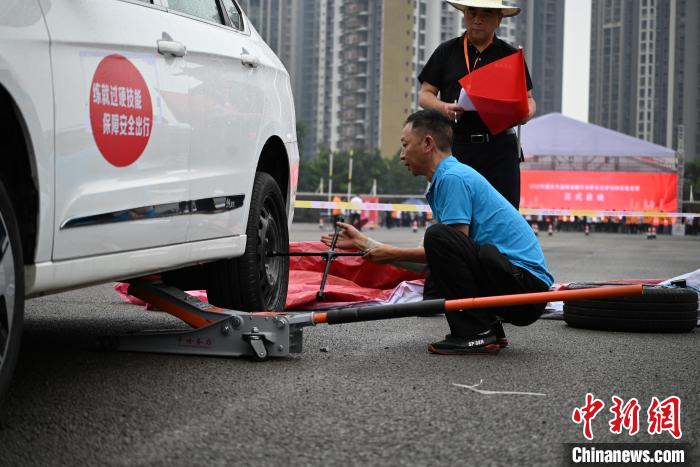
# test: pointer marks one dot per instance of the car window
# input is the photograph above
(205, 9)
(235, 14)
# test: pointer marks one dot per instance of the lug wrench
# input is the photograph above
(328, 256)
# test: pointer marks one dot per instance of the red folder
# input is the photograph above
(499, 92)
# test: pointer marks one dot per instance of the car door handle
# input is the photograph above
(176, 49)
(251, 61)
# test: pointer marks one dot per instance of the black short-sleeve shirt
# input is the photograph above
(447, 66)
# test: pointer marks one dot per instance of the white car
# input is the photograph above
(141, 137)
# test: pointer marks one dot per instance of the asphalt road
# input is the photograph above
(375, 397)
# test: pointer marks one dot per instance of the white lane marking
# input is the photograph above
(490, 393)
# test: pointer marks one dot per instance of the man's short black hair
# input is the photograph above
(435, 124)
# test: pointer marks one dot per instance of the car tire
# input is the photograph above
(660, 309)
(254, 281)
(11, 291)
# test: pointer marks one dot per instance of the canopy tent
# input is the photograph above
(571, 164)
(556, 135)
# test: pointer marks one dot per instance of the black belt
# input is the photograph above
(482, 138)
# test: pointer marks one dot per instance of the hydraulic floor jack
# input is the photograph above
(230, 333)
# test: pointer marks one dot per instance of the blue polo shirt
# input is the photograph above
(458, 194)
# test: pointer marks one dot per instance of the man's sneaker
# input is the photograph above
(501, 338)
(480, 344)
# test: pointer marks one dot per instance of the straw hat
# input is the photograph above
(496, 4)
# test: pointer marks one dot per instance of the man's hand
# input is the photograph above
(453, 111)
(349, 237)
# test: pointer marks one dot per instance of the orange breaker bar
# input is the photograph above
(370, 313)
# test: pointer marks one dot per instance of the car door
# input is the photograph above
(122, 127)
(227, 95)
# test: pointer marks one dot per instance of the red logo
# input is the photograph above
(626, 416)
(662, 416)
(121, 114)
(665, 416)
(587, 413)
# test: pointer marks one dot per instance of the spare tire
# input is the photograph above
(660, 309)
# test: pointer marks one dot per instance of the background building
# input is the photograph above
(539, 30)
(644, 70)
(354, 64)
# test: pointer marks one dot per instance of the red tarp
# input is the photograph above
(499, 92)
(351, 280)
(620, 191)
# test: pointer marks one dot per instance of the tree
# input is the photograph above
(391, 174)
(692, 177)
(301, 134)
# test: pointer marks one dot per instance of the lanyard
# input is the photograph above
(466, 52)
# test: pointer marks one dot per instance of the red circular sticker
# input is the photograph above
(121, 114)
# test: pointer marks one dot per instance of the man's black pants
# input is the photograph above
(461, 268)
(498, 161)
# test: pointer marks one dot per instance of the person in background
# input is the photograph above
(356, 214)
(496, 157)
(337, 212)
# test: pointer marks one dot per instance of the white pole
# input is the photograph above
(330, 182)
(350, 175)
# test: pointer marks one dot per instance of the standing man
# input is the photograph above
(355, 213)
(481, 245)
(496, 157)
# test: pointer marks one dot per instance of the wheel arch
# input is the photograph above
(20, 175)
(274, 160)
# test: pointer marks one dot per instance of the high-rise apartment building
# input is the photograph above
(354, 63)
(539, 30)
(435, 23)
(644, 70)
(376, 70)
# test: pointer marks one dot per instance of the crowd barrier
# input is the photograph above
(400, 207)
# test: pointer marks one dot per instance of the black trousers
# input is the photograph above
(461, 268)
(498, 161)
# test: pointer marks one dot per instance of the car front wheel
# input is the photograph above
(254, 281)
(11, 291)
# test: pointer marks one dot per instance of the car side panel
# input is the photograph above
(101, 207)
(25, 72)
(235, 108)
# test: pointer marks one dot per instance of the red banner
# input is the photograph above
(620, 191)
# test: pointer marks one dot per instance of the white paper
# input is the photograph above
(464, 102)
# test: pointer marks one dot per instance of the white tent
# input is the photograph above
(556, 142)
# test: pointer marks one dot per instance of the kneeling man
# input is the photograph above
(480, 246)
